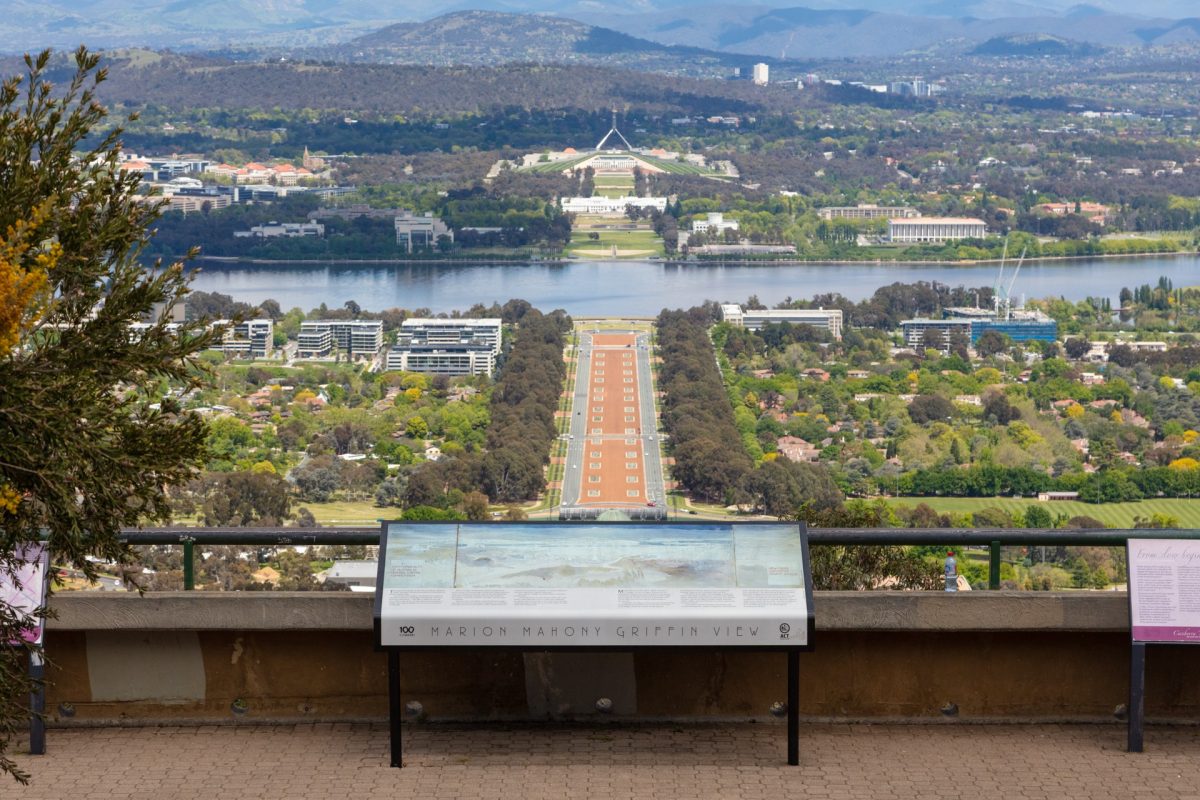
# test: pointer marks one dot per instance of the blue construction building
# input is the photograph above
(1040, 329)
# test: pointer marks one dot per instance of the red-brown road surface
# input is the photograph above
(612, 456)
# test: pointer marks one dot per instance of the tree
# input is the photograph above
(244, 498)
(997, 407)
(1038, 517)
(1076, 347)
(475, 506)
(991, 343)
(318, 478)
(930, 408)
(87, 443)
(416, 427)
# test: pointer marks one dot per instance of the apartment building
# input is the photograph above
(447, 346)
(828, 318)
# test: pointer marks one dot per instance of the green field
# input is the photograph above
(1114, 515)
(558, 166)
(609, 186)
(348, 512)
(679, 167)
(635, 243)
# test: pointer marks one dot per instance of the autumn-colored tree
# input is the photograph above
(87, 443)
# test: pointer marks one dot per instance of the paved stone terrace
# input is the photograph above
(676, 762)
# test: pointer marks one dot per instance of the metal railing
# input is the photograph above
(992, 538)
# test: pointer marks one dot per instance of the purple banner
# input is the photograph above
(25, 590)
(1166, 633)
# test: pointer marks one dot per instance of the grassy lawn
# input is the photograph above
(558, 166)
(678, 167)
(609, 186)
(1114, 515)
(348, 512)
(635, 243)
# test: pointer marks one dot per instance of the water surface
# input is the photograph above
(643, 288)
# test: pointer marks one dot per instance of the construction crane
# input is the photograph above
(1002, 296)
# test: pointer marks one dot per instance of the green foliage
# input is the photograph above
(242, 498)
(425, 513)
(87, 444)
(866, 567)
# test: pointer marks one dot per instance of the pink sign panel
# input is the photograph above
(1164, 590)
(25, 589)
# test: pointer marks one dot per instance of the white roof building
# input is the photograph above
(714, 221)
(447, 346)
(602, 206)
(935, 229)
(754, 319)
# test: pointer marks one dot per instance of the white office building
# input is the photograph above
(610, 205)
(922, 333)
(453, 361)
(754, 319)
(254, 338)
(761, 75)
(731, 313)
(714, 221)
(420, 231)
(868, 211)
(360, 337)
(447, 346)
(275, 230)
(935, 229)
(314, 341)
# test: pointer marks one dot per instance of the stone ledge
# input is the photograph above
(835, 611)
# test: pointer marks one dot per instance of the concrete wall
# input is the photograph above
(283, 656)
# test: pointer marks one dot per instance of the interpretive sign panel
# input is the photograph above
(24, 590)
(581, 585)
(1164, 590)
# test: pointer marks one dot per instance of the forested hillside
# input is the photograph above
(188, 82)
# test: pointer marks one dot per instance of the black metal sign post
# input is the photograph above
(1137, 696)
(394, 707)
(410, 584)
(793, 709)
(1156, 581)
(37, 705)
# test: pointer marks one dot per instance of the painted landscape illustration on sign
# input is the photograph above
(592, 556)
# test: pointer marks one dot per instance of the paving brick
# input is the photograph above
(682, 763)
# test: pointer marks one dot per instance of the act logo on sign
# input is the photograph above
(784, 630)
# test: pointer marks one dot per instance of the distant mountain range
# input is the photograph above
(819, 29)
(488, 37)
(825, 33)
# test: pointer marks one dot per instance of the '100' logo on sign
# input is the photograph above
(407, 630)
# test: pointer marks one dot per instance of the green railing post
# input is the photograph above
(994, 565)
(189, 565)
